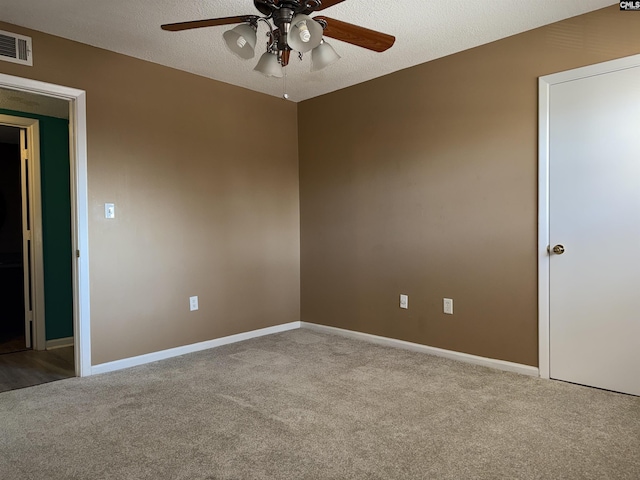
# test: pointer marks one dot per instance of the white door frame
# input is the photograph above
(544, 87)
(79, 206)
(34, 279)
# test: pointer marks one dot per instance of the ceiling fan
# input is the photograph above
(290, 29)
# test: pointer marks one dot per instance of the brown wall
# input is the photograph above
(204, 205)
(425, 183)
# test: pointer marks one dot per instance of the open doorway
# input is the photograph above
(33, 95)
(35, 249)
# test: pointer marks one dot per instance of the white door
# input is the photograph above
(594, 214)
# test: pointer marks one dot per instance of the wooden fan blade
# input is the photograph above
(324, 4)
(213, 22)
(356, 35)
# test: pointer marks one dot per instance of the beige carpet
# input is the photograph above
(304, 405)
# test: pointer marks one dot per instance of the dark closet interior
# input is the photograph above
(12, 322)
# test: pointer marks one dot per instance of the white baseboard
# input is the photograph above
(416, 347)
(389, 342)
(59, 343)
(194, 347)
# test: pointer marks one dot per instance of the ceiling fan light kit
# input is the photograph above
(290, 29)
(269, 65)
(241, 40)
(305, 34)
(322, 56)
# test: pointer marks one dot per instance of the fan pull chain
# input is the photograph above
(285, 95)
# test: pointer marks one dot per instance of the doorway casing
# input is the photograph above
(544, 89)
(79, 206)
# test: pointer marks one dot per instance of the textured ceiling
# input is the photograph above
(424, 30)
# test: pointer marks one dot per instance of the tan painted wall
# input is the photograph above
(425, 183)
(204, 205)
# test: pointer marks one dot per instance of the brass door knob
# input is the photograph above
(558, 249)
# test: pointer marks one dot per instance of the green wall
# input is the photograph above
(56, 223)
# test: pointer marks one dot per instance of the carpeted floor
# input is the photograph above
(304, 405)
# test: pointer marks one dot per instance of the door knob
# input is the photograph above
(558, 249)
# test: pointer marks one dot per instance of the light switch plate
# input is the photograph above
(109, 210)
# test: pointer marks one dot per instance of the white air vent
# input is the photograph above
(15, 48)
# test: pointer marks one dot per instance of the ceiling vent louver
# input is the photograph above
(15, 48)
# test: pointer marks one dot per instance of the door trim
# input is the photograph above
(544, 90)
(79, 206)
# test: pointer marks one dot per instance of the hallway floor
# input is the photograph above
(12, 343)
(33, 367)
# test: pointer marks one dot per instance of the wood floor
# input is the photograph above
(12, 343)
(33, 367)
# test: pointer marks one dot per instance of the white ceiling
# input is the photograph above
(424, 30)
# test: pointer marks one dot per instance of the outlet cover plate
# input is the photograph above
(447, 305)
(404, 301)
(193, 303)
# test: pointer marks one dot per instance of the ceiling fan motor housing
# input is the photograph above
(267, 7)
(282, 19)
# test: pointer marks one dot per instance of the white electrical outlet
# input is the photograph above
(447, 305)
(193, 303)
(404, 301)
